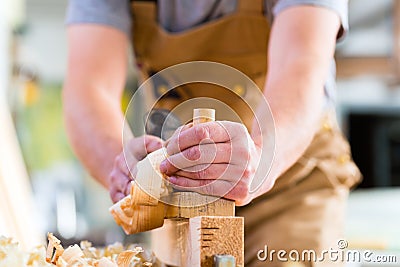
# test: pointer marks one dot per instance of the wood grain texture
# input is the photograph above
(212, 235)
(146, 218)
(173, 245)
(201, 115)
(137, 218)
(149, 179)
(141, 210)
(191, 204)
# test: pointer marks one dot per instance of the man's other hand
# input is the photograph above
(124, 169)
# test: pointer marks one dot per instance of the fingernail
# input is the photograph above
(173, 179)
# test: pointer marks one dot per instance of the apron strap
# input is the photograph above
(145, 10)
(253, 6)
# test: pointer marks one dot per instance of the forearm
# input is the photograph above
(301, 49)
(94, 125)
(96, 74)
(296, 119)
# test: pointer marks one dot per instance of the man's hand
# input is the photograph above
(124, 169)
(214, 158)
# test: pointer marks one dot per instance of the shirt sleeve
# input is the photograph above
(339, 6)
(113, 13)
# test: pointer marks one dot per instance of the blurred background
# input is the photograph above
(50, 191)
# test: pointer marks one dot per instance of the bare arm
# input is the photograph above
(95, 79)
(301, 48)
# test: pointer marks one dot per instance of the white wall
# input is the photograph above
(43, 48)
(4, 41)
(371, 28)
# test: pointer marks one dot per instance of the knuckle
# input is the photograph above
(183, 183)
(229, 149)
(247, 156)
(205, 172)
(204, 183)
(248, 171)
(193, 153)
(118, 159)
(244, 152)
(202, 174)
(201, 132)
(113, 176)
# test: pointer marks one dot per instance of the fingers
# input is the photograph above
(119, 185)
(222, 171)
(220, 188)
(121, 164)
(217, 180)
(236, 153)
(124, 170)
(238, 191)
(177, 131)
(203, 154)
(233, 133)
(211, 158)
(153, 143)
(206, 133)
(116, 196)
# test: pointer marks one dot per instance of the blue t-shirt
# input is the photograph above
(179, 15)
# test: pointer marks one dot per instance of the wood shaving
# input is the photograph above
(83, 255)
(149, 186)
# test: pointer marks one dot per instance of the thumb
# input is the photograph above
(152, 143)
(139, 147)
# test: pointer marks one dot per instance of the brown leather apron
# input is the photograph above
(305, 208)
(228, 40)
